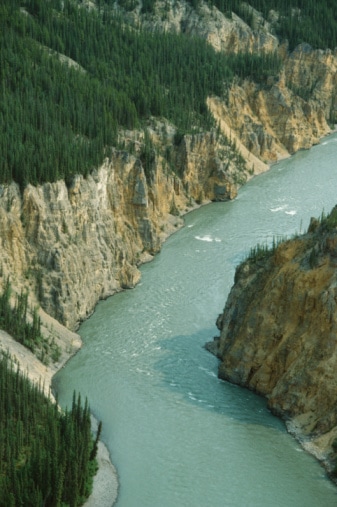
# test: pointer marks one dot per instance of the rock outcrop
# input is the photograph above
(73, 244)
(278, 333)
(225, 32)
(285, 114)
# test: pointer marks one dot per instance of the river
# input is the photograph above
(179, 436)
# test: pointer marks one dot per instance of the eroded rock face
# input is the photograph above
(226, 33)
(74, 244)
(279, 117)
(272, 121)
(81, 254)
(278, 333)
(79, 243)
(312, 75)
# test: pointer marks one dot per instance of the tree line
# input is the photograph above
(58, 119)
(14, 320)
(47, 457)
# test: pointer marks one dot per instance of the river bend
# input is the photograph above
(179, 436)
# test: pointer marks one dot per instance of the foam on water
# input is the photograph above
(204, 238)
(208, 238)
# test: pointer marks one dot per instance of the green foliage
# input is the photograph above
(258, 67)
(263, 252)
(148, 6)
(70, 78)
(334, 445)
(302, 91)
(45, 455)
(329, 222)
(15, 322)
(334, 449)
(313, 258)
(259, 252)
(178, 137)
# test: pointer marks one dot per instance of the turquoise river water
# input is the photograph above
(179, 436)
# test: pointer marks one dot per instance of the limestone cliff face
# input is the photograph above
(280, 117)
(73, 244)
(274, 121)
(226, 33)
(312, 75)
(278, 333)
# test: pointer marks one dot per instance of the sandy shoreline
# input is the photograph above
(105, 485)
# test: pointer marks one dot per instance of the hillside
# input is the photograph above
(158, 112)
(118, 118)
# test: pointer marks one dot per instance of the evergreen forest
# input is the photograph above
(70, 78)
(14, 320)
(46, 457)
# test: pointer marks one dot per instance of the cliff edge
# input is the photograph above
(71, 243)
(278, 333)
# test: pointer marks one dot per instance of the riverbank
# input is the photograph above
(319, 447)
(72, 344)
(105, 485)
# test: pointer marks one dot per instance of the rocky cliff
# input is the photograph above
(72, 243)
(278, 333)
(289, 112)
(75, 243)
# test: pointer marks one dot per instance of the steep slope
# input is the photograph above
(72, 243)
(274, 118)
(278, 329)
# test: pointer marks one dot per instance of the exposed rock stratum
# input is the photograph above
(71, 244)
(278, 333)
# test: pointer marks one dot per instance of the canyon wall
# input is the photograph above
(72, 243)
(278, 333)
